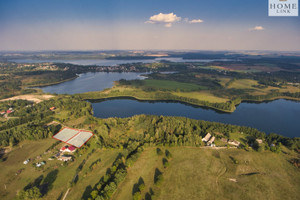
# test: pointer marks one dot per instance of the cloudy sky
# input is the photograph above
(145, 24)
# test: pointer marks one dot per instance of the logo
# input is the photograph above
(283, 7)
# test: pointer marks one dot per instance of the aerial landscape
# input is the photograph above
(148, 100)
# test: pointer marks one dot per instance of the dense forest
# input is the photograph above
(30, 123)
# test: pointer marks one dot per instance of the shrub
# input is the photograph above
(141, 187)
(168, 154)
(159, 152)
(165, 163)
(137, 195)
(159, 179)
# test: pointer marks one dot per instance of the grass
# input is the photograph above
(14, 162)
(138, 93)
(209, 172)
(172, 85)
(243, 84)
(145, 168)
(203, 96)
(31, 149)
(196, 173)
(87, 180)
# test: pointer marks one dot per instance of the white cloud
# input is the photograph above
(166, 19)
(257, 28)
(194, 21)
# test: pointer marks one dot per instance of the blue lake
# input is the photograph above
(279, 116)
(109, 62)
(89, 82)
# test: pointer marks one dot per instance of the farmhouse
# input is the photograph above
(52, 108)
(211, 140)
(69, 149)
(206, 138)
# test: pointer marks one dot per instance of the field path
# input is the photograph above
(66, 193)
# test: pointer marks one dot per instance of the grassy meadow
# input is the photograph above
(197, 173)
(193, 173)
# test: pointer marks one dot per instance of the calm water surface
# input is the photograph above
(91, 82)
(279, 116)
(103, 62)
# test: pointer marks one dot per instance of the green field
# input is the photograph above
(211, 174)
(194, 173)
(11, 183)
(173, 85)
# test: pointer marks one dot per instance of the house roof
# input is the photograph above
(212, 139)
(72, 148)
(208, 135)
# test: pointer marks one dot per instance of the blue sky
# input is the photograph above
(127, 24)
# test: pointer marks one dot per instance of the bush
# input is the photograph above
(33, 193)
(141, 187)
(159, 179)
(159, 152)
(168, 154)
(137, 195)
(165, 163)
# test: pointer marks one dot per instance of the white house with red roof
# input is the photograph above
(69, 149)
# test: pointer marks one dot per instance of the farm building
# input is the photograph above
(211, 140)
(52, 108)
(206, 138)
(69, 149)
(73, 137)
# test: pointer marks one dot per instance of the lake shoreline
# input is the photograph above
(191, 104)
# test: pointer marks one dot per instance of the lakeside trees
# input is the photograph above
(30, 122)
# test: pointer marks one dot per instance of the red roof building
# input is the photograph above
(52, 108)
(70, 149)
(8, 111)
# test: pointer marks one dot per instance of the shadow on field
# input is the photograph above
(137, 185)
(48, 182)
(157, 173)
(149, 195)
(43, 184)
(87, 192)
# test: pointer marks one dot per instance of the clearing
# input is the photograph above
(36, 98)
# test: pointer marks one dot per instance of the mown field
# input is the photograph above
(172, 85)
(193, 173)
(196, 173)
(53, 177)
